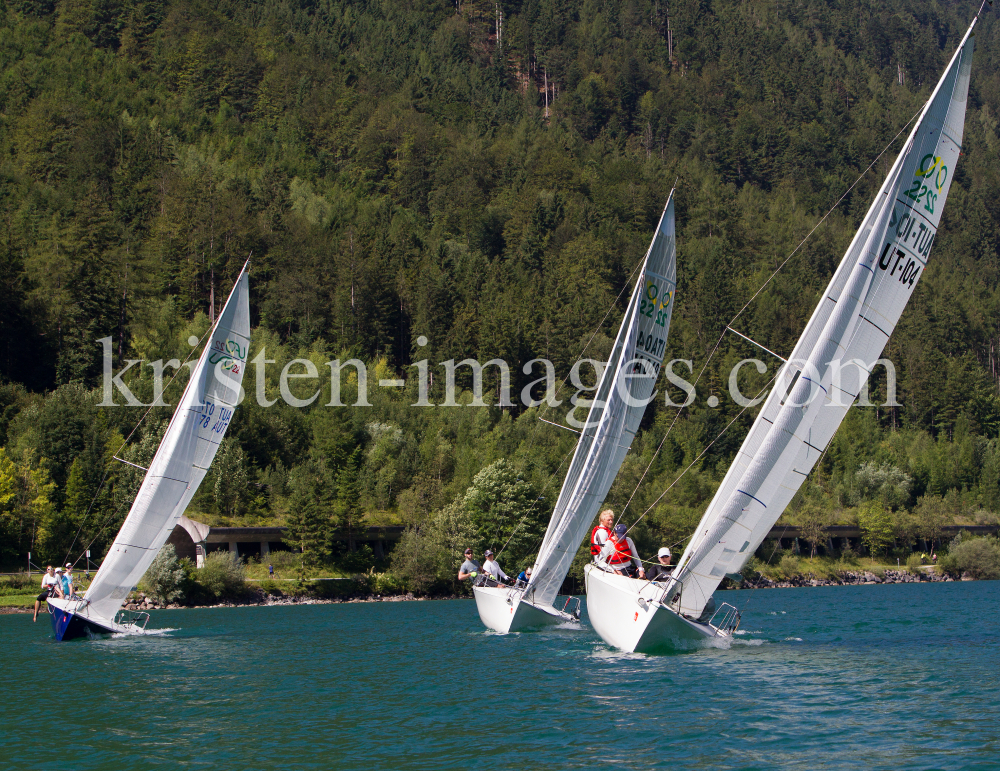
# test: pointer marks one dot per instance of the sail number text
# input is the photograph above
(930, 166)
(205, 416)
(653, 300)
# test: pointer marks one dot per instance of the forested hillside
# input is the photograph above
(486, 175)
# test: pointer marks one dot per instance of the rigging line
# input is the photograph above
(544, 487)
(831, 210)
(534, 433)
(700, 456)
(757, 344)
(131, 433)
(103, 527)
(559, 425)
(801, 243)
(611, 307)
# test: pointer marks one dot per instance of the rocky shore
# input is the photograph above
(144, 603)
(847, 578)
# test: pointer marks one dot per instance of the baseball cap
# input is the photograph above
(489, 553)
(59, 570)
(620, 529)
(663, 552)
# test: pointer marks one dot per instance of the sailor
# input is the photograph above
(620, 554)
(62, 585)
(470, 568)
(491, 566)
(600, 534)
(68, 576)
(662, 570)
(524, 576)
(49, 581)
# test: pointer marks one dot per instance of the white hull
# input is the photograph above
(502, 609)
(626, 613)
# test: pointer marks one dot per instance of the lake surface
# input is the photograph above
(900, 676)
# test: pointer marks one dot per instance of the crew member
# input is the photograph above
(49, 581)
(662, 570)
(600, 534)
(491, 566)
(620, 554)
(524, 576)
(470, 568)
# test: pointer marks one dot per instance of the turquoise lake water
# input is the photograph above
(901, 676)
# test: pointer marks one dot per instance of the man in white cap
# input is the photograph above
(662, 570)
(491, 566)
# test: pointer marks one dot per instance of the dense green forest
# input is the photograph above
(485, 175)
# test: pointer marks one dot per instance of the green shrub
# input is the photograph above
(20, 584)
(979, 557)
(223, 575)
(387, 583)
(789, 566)
(284, 561)
(164, 580)
(913, 562)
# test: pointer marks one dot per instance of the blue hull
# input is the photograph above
(66, 625)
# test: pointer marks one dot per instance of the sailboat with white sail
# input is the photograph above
(811, 395)
(191, 441)
(623, 392)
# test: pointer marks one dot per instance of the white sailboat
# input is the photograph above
(625, 388)
(811, 395)
(193, 437)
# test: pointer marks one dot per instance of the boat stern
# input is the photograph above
(626, 613)
(68, 623)
(503, 610)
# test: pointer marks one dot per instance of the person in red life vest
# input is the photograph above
(620, 555)
(600, 534)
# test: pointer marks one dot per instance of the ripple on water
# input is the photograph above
(828, 677)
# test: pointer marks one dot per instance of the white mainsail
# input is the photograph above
(625, 388)
(196, 430)
(840, 345)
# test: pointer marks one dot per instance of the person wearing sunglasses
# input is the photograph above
(470, 568)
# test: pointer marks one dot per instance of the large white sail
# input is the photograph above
(838, 349)
(625, 388)
(188, 447)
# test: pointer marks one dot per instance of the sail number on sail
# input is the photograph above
(656, 298)
(205, 413)
(920, 191)
(230, 353)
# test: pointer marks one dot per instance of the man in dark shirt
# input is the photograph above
(662, 570)
(470, 568)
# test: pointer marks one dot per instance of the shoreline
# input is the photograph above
(267, 601)
(847, 578)
(850, 578)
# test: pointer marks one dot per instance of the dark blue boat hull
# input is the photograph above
(67, 625)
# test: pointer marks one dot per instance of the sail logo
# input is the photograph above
(930, 165)
(656, 300)
(230, 354)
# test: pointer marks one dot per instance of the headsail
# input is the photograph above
(839, 347)
(188, 447)
(625, 388)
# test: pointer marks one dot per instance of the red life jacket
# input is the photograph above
(622, 554)
(595, 547)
